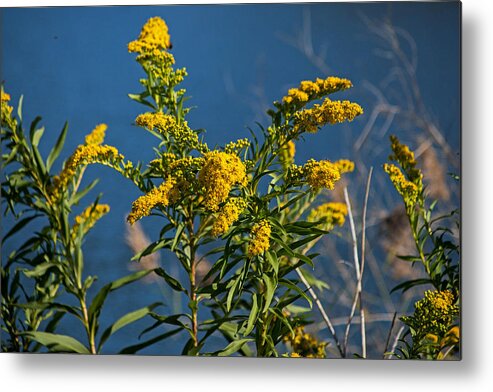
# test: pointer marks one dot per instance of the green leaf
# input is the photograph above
(98, 301)
(233, 347)
(253, 316)
(270, 288)
(172, 282)
(18, 226)
(125, 320)
(38, 133)
(273, 261)
(411, 283)
(137, 347)
(58, 343)
(57, 148)
(40, 269)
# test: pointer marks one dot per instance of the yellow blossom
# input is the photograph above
(329, 112)
(83, 155)
(220, 172)
(228, 214)
(433, 314)
(405, 157)
(6, 111)
(331, 213)
(321, 174)
(260, 238)
(305, 345)
(308, 90)
(88, 218)
(235, 147)
(408, 190)
(291, 149)
(154, 35)
(344, 165)
(156, 197)
(96, 137)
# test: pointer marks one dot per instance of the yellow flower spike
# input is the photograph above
(96, 137)
(228, 214)
(308, 90)
(4, 97)
(88, 218)
(260, 238)
(331, 213)
(344, 165)
(407, 189)
(154, 35)
(305, 345)
(329, 112)
(321, 174)
(405, 157)
(156, 197)
(433, 314)
(220, 172)
(86, 154)
(291, 150)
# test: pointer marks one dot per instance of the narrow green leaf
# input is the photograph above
(137, 347)
(58, 343)
(125, 320)
(57, 148)
(233, 347)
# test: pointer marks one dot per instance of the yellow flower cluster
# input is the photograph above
(344, 166)
(83, 155)
(260, 238)
(309, 90)
(154, 35)
(96, 137)
(434, 314)
(405, 157)
(331, 213)
(167, 125)
(6, 110)
(228, 214)
(291, 150)
(329, 112)
(156, 197)
(235, 147)
(321, 174)
(408, 190)
(221, 171)
(305, 345)
(88, 218)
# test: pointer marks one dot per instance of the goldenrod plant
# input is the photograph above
(248, 198)
(43, 280)
(433, 327)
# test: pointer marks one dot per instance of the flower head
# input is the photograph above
(321, 174)
(228, 214)
(434, 314)
(304, 344)
(331, 214)
(154, 35)
(329, 112)
(310, 90)
(260, 238)
(156, 197)
(88, 218)
(96, 137)
(408, 190)
(220, 172)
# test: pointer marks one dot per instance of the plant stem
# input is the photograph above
(90, 336)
